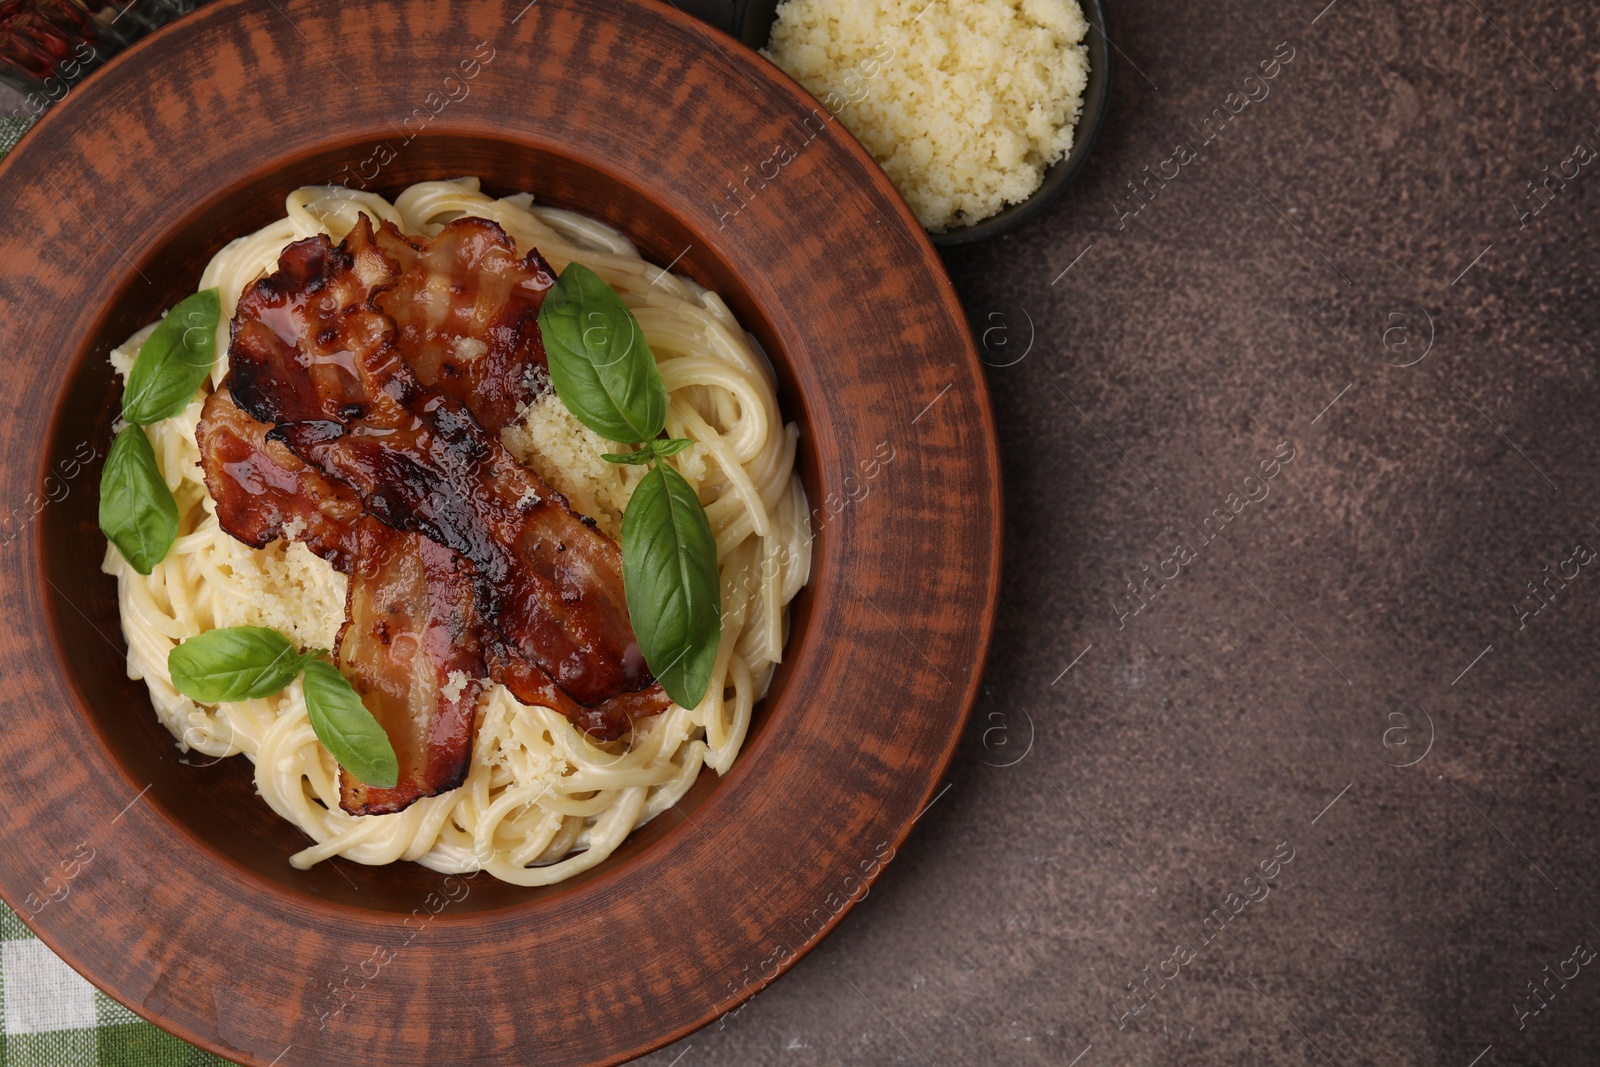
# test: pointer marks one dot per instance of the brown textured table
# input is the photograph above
(1373, 198)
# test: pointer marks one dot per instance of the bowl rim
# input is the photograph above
(1059, 175)
(53, 133)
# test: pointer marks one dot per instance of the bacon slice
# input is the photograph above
(606, 721)
(551, 584)
(466, 313)
(306, 344)
(385, 453)
(412, 646)
(412, 639)
(340, 332)
(263, 491)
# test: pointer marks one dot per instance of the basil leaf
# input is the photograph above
(671, 446)
(346, 728)
(137, 512)
(600, 364)
(669, 574)
(234, 663)
(648, 451)
(631, 459)
(173, 361)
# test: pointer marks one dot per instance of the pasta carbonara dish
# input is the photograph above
(487, 622)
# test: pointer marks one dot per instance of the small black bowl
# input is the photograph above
(753, 22)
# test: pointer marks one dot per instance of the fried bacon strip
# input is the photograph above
(412, 646)
(308, 345)
(411, 643)
(460, 313)
(549, 583)
(264, 491)
(466, 314)
(384, 457)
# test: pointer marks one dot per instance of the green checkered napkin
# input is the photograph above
(54, 1018)
(12, 127)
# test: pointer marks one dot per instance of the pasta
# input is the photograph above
(542, 801)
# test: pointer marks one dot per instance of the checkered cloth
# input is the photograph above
(53, 1018)
(12, 127)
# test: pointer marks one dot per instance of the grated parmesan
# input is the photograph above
(566, 453)
(453, 686)
(469, 349)
(964, 103)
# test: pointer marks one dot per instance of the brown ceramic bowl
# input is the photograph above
(188, 911)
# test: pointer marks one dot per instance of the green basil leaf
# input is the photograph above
(347, 729)
(137, 512)
(669, 574)
(649, 450)
(174, 360)
(234, 663)
(631, 459)
(670, 447)
(600, 364)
